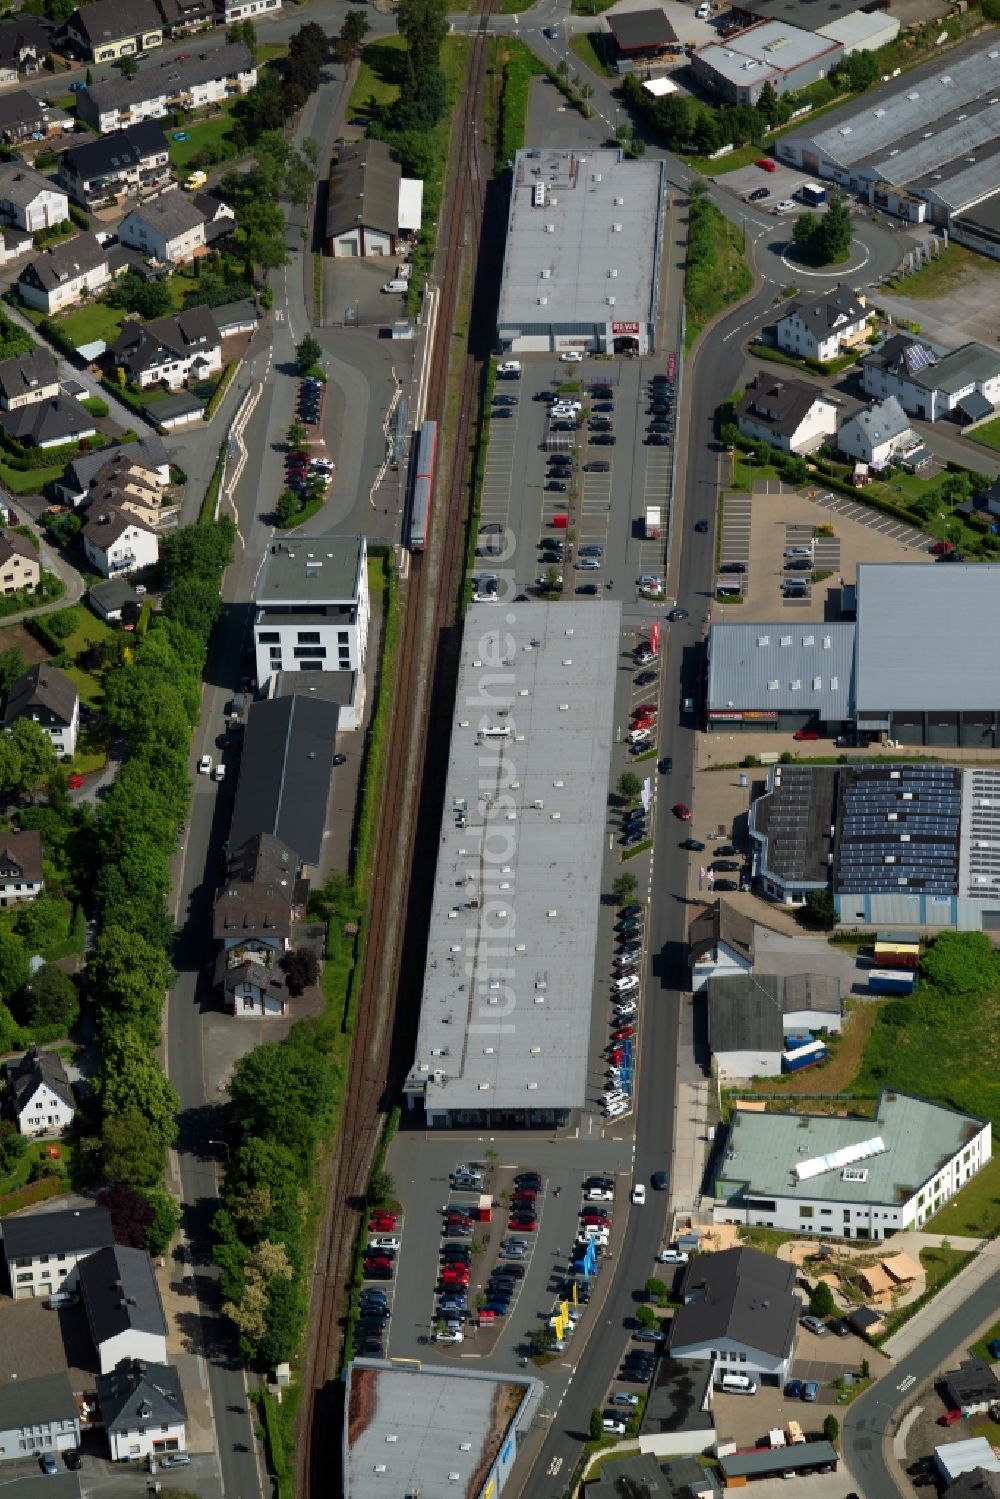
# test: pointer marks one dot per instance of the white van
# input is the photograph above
(396, 284)
(510, 369)
(738, 1384)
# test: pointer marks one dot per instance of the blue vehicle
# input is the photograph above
(793, 1389)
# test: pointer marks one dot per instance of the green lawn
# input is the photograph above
(590, 7)
(585, 48)
(717, 271)
(988, 435)
(953, 266)
(29, 480)
(975, 1210)
(982, 1348)
(745, 472)
(86, 324)
(380, 73)
(268, 51)
(87, 630)
(205, 133)
(36, 1151)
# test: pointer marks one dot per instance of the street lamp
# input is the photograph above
(226, 1147)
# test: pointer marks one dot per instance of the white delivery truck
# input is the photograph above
(652, 522)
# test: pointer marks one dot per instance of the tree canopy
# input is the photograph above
(962, 963)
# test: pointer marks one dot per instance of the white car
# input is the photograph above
(219, 773)
(205, 765)
(449, 1337)
(704, 11)
(615, 1427)
(571, 356)
(627, 984)
(600, 1194)
(614, 1110)
(564, 413)
(672, 1257)
(594, 1234)
(567, 403)
(639, 1195)
(384, 1241)
(785, 206)
(628, 1007)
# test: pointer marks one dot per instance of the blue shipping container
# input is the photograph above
(891, 980)
(804, 1056)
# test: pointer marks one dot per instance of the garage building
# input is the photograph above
(640, 35)
(373, 208)
(581, 266)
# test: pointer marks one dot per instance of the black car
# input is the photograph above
(758, 195)
(733, 567)
(645, 678)
(504, 400)
(922, 1465)
(632, 909)
(73, 1460)
(666, 765)
(501, 411)
(701, 525)
(597, 466)
(603, 392)
(528, 1179)
(726, 885)
(372, 1348)
(544, 395)
(724, 866)
(634, 814)
(659, 1180)
(798, 565)
(657, 440)
(588, 590)
(557, 485)
(377, 1273)
(658, 425)
(563, 426)
(602, 439)
(633, 839)
(660, 408)
(600, 424)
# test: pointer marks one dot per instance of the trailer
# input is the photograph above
(423, 486)
(652, 522)
(891, 980)
(896, 952)
(804, 1056)
(812, 194)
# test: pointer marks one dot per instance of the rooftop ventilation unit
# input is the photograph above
(836, 1159)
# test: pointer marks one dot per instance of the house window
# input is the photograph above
(268, 637)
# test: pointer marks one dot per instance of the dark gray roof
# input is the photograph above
(21, 36)
(64, 262)
(34, 1068)
(286, 774)
(120, 1293)
(70, 1229)
(792, 823)
(721, 922)
(898, 825)
(118, 152)
(171, 214)
(42, 686)
(26, 372)
(978, 1483)
(181, 403)
(105, 523)
(108, 20)
(746, 1011)
(112, 594)
(171, 77)
(19, 109)
(972, 1383)
(26, 1402)
(678, 1397)
(142, 346)
(20, 184)
(89, 467)
(811, 15)
(641, 28)
(761, 1461)
(364, 189)
(830, 310)
(975, 407)
(644, 1477)
(233, 314)
(21, 856)
(56, 419)
(137, 1395)
(778, 404)
(11, 545)
(863, 1319)
(738, 1294)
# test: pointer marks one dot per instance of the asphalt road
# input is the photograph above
(874, 1415)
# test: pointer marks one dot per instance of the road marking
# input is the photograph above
(910, 1379)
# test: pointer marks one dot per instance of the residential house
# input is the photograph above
(124, 1311)
(23, 118)
(181, 17)
(253, 911)
(196, 82)
(972, 1388)
(824, 326)
(720, 943)
(43, 1249)
(985, 504)
(28, 378)
(65, 274)
(931, 382)
(142, 1409)
(880, 434)
(750, 1015)
(43, 1099)
(170, 228)
(740, 1312)
(234, 319)
(48, 697)
(20, 866)
(146, 456)
(251, 989)
(372, 207)
(169, 350)
(789, 414)
(28, 200)
(132, 160)
(14, 243)
(115, 542)
(220, 220)
(116, 602)
(19, 564)
(132, 496)
(311, 608)
(38, 1414)
(49, 424)
(228, 11)
(105, 30)
(24, 46)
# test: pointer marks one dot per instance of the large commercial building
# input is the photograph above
(312, 606)
(925, 146)
(505, 1017)
(898, 845)
(849, 1178)
(917, 667)
(412, 1429)
(785, 56)
(582, 264)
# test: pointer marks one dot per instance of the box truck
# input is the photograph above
(652, 522)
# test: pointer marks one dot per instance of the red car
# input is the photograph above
(939, 548)
(949, 1418)
(614, 1055)
(681, 811)
(382, 1220)
(523, 1221)
(765, 163)
(454, 1275)
(804, 734)
(594, 1220)
(75, 781)
(646, 708)
(625, 1032)
(643, 723)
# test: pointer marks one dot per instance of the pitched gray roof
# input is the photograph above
(120, 1293)
(171, 77)
(104, 527)
(83, 471)
(879, 422)
(746, 1012)
(27, 1402)
(972, 1382)
(721, 922)
(364, 189)
(21, 185)
(830, 310)
(64, 262)
(26, 372)
(779, 404)
(738, 1294)
(137, 1395)
(21, 856)
(118, 152)
(286, 773)
(141, 346)
(56, 419)
(171, 213)
(42, 686)
(104, 21)
(37, 1067)
(70, 1229)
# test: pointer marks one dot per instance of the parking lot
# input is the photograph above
(781, 185)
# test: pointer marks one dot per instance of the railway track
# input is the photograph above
(429, 610)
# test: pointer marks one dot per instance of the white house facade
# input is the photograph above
(43, 1098)
(116, 545)
(28, 199)
(64, 275)
(43, 1250)
(312, 606)
(143, 1410)
(823, 327)
(738, 1314)
(38, 1415)
(123, 1307)
(789, 414)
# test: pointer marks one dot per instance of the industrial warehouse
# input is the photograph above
(917, 667)
(924, 147)
(910, 845)
(505, 1016)
(582, 262)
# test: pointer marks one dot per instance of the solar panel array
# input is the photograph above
(983, 833)
(898, 830)
(918, 357)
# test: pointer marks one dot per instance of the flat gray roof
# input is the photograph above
(311, 570)
(428, 1430)
(799, 667)
(809, 13)
(927, 637)
(505, 1013)
(762, 1151)
(595, 236)
(929, 99)
(775, 46)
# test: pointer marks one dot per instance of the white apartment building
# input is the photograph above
(312, 606)
(43, 1250)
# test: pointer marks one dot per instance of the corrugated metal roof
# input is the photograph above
(807, 668)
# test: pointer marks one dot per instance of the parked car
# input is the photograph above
(682, 811)
(793, 1389)
(810, 1390)
(814, 1324)
(807, 734)
(766, 164)
(47, 1463)
(695, 845)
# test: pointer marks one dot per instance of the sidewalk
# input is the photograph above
(975, 1274)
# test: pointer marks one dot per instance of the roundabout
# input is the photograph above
(836, 271)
